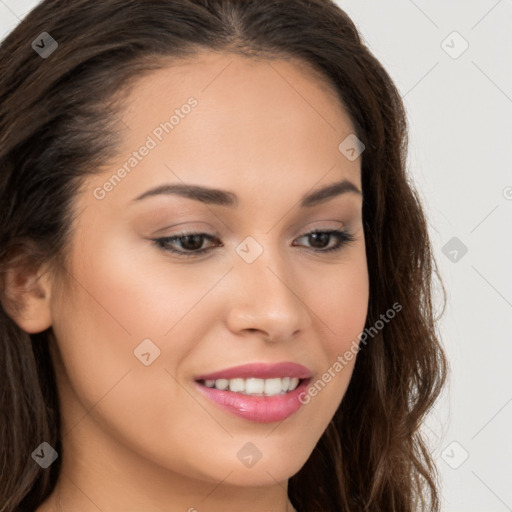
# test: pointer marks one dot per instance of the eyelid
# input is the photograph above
(192, 228)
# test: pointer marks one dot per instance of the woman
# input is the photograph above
(216, 277)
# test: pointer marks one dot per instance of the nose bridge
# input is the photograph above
(268, 300)
(262, 266)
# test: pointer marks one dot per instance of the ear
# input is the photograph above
(27, 292)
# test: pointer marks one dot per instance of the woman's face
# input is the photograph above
(142, 331)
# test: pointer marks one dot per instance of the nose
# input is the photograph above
(268, 298)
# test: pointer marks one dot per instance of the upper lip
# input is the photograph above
(261, 371)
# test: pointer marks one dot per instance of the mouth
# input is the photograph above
(262, 393)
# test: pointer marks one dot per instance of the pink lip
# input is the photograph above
(262, 409)
(260, 371)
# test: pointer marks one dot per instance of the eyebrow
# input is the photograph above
(225, 198)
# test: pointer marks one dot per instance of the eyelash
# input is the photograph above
(343, 238)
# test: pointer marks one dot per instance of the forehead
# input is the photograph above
(219, 76)
(253, 121)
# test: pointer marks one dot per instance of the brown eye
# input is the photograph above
(188, 244)
(192, 242)
(319, 240)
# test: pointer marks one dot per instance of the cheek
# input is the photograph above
(342, 308)
(98, 324)
(137, 292)
(342, 301)
(118, 298)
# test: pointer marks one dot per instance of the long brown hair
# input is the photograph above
(58, 123)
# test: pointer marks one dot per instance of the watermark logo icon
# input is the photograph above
(454, 249)
(351, 147)
(249, 249)
(44, 455)
(455, 455)
(454, 45)
(249, 455)
(44, 45)
(146, 352)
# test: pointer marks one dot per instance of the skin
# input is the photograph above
(141, 437)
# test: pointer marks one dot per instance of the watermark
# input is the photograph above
(146, 352)
(249, 249)
(351, 147)
(45, 455)
(455, 455)
(454, 45)
(157, 135)
(454, 249)
(249, 455)
(343, 360)
(44, 45)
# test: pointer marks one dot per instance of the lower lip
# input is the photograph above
(261, 409)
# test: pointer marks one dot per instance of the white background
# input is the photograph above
(460, 118)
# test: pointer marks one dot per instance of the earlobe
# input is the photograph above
(27, 297)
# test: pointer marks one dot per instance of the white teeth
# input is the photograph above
(253, 386)
(237, 385)
(222, 384)
(272, 387)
